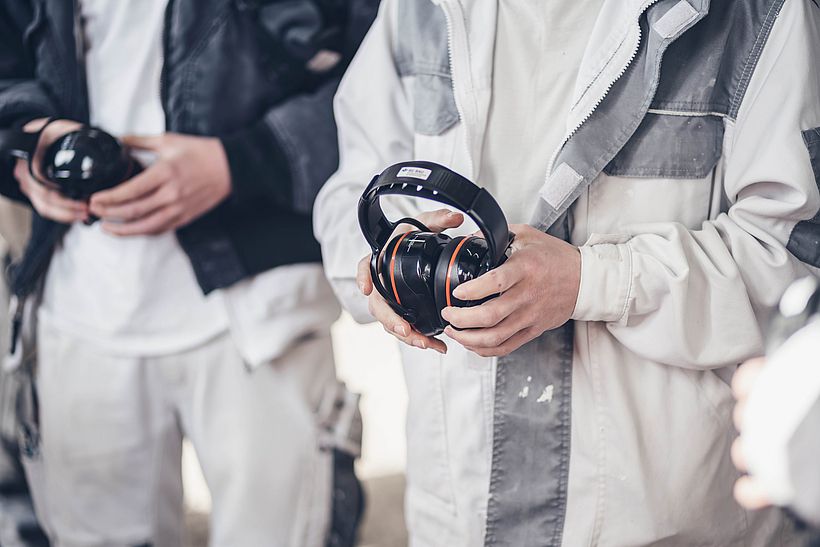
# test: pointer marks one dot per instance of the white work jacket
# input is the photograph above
(678, 276)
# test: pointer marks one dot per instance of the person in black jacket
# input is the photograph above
(196, 306)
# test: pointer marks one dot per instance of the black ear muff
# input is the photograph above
(86, 161)
(388, 271)
(77, 164)
(416, 272)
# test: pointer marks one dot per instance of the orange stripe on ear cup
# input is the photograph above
(450, 268)
(392, 271)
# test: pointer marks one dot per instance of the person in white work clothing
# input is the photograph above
(197, 305)
(654, 159)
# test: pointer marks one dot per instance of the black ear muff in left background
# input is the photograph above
(86, 161)
(416, 272)
(76, 164)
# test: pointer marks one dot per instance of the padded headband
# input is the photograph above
(435, 182)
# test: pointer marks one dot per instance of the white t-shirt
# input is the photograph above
(538, 50)
(127, 295)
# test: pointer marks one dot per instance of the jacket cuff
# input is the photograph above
(258, 165)
(606, 283)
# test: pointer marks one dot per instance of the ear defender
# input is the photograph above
(77, 164)
(416, 272)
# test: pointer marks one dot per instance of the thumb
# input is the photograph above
(363, 279)
(441, 220)
(143, 142)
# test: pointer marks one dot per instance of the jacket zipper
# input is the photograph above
(162, 68)
(161, 77)
(79, 53)
(459, 109)
(603, 95)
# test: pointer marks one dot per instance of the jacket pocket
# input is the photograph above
(434, 104)
(422, 52)
(670, 146)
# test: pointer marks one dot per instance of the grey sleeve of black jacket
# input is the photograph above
(290, 152)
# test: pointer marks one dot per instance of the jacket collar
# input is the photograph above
(613, 46)
(610, 51)
(600, 123)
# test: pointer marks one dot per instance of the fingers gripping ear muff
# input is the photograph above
(416, 272)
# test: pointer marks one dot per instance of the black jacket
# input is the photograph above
(235, 69)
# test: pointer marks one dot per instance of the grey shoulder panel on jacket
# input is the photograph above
(708, 68)
(691, 69)
(704, 76)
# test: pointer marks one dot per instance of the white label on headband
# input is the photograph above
(414, 172)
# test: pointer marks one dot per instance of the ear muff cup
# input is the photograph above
(444, 268)
(461, 260)
(391, 272)
(407, 268)
(77, 164)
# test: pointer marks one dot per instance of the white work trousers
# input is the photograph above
(108, 472)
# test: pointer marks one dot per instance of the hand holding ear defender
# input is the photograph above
(416, 272)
